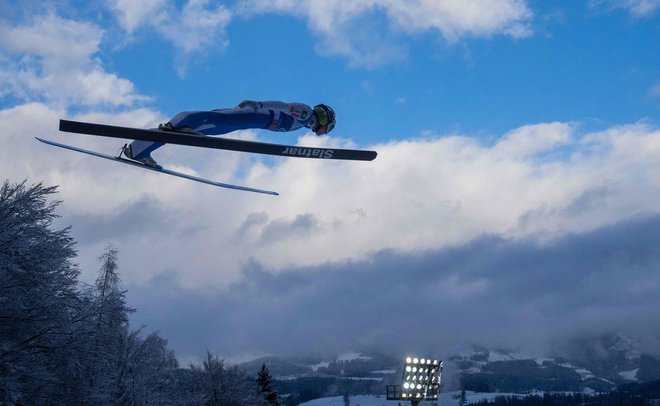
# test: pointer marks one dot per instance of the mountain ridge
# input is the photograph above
(597, 365)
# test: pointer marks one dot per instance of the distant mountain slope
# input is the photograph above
(596, 365)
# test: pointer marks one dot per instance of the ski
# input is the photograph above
(173, 137)
(159, 169)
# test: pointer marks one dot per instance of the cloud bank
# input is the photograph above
(491, 291)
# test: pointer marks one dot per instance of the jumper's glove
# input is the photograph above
(249, 103)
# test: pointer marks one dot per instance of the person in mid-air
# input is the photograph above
(270, 115)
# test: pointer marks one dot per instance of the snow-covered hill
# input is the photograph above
(598, 364)
(446, 399)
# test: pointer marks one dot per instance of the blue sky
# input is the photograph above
(523, 129)
(575, 59)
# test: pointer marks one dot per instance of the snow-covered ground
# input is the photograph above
(316, 367)
(384, 372)
(446, 399)
(584, 373)
(345, 357)
(629, 375)
(351, 356)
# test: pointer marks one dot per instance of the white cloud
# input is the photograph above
(637, 8)
(455, 19)
(655, 91)
(54, 59)
(198, 27)
(356, 29)
(533, 139)
(134, 14)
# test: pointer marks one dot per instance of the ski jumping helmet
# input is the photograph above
(325, 119)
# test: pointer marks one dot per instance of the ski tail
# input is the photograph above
(157, 169)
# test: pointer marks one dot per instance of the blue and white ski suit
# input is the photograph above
(269, 115)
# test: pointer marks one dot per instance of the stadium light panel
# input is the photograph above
(421, 379)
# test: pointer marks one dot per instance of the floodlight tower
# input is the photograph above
(421, 381)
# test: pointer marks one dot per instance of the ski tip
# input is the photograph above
(262, 191)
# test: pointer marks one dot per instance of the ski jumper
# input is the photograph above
(270, 115)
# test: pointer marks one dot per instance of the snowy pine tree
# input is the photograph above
(265, 383)
(462, 400)
(110, 329)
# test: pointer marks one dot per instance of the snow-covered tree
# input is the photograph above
(40, 311)
(215, 383)
(143, 365)
(62, 342)
(111, 310)
(109, 331)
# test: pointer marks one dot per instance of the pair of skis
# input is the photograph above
(173, 137)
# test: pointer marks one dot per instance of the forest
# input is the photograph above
(63, 341)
